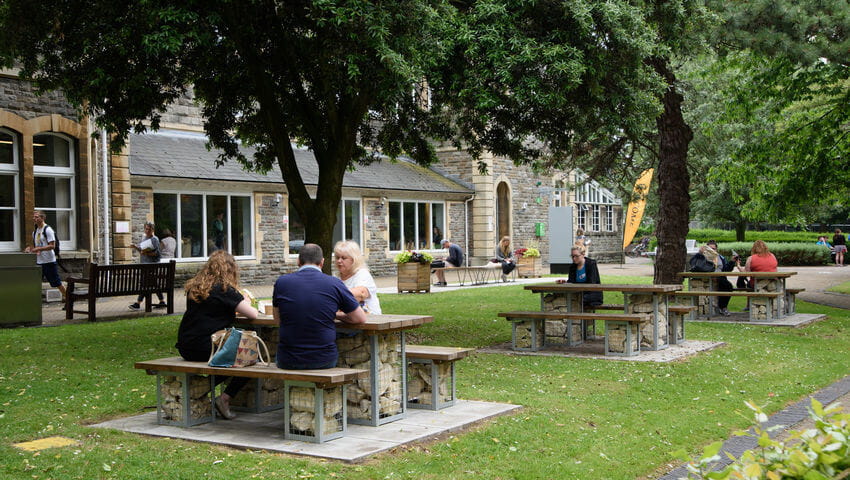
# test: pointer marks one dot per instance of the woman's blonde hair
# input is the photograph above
(351, 249)
(581, 249)
(220, 269)
(506, 249)
(759, 248)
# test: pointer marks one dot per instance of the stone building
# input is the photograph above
(98, 201)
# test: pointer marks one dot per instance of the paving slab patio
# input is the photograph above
(264, 431)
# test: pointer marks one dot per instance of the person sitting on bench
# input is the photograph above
(454, 260)
(212, 300)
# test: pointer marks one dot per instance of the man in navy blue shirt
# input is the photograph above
(306, 304)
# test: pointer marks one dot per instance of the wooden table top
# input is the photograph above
(736, 274)
(373, 322)
(603, 287)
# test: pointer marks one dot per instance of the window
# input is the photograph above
(595, 210)
(609, 218)
(53, 169)
(204, 223)
(9, 194)
(416, 225)
(347, 225)
(582, 216)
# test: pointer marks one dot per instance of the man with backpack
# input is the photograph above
(44, 243)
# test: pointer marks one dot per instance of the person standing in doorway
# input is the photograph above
(44, 241)
(149, 252)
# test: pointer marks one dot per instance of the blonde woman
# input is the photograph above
(355, 275)
(212, 300)
(505, 256)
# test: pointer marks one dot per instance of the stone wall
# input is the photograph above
(19, 97)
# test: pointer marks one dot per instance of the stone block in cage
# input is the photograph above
(314, 414)
(184, 399)
(621, 338)
(259, 395)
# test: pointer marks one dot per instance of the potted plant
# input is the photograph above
(528, 262)
(414, 271)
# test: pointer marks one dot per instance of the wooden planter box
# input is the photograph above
(414, 277)
(529, 267)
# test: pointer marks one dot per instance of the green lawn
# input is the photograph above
(582, 418)
(841, 288)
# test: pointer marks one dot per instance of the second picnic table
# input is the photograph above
(377, 346)
(650, 302)
(768, 306)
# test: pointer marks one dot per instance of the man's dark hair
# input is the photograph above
(310, 254)
(711, 242)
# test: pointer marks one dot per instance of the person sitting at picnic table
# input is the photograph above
(584, 270)
(454, 260)
(760, 260)
(505, 256)
(823, 241)
(212, 300)
(711, 253)
(355, 275)
(306, 305)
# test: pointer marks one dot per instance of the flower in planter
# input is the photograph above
(530, 252)
(408, 256)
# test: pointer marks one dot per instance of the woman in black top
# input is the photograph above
(584, 270)
(212, 300)
(839, 246)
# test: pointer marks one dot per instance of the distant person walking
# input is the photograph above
(149, 252)
(44, 242)
(839, 246)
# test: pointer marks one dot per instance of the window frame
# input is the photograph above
(416, 229)
(595, 219)
(609, 218)
(39, 171)
(13, 170)
(178, 229)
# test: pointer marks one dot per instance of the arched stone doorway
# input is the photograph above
(503, 210)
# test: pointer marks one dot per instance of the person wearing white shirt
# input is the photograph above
(44, 241)
(355, 275)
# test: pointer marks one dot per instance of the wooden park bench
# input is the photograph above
(431, 375)
(676, 322)
(185, 395)
(477, 275)
(762, 306)
(121, 281)
(622, 331)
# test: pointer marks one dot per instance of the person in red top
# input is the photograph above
(760, 260)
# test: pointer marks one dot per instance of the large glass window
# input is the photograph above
(609, 218)
(9, 213)
(416, 225)
(206, 223)
(596, 212)
(347, 225)
(53, 159)
(582, 216)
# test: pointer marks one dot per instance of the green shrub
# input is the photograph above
(822, 452)
(703, 235)
(787, 254)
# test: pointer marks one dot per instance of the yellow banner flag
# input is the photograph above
(636, 207)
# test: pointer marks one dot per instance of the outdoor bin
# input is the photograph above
(20, 290)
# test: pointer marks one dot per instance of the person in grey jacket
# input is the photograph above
(505, 256)
(149, 252)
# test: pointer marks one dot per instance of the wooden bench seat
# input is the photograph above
(119, 281)
(676, 322)
(610, 306)
(791, 300)
(477, 275)
(305, 392)
(622, 334)
(714, 293)
(431, 375)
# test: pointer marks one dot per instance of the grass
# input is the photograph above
(840, 288)
(582, 418)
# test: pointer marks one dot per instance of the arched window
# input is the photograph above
(54, 165)
(9, 194)
(503, 210)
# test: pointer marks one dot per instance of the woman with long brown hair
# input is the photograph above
(505, 256)
(212, 300)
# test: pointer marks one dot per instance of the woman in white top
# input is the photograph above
(167, 244)
(355, 275)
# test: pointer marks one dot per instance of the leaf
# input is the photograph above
(712, 449)
(106, 467)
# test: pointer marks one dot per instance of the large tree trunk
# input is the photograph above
(674, 136)
(741, 230)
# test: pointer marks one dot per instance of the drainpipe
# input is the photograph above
(466, 224)
(106, 217)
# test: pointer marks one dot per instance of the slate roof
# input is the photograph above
(175, 154)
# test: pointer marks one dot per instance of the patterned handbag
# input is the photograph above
(233, 347)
